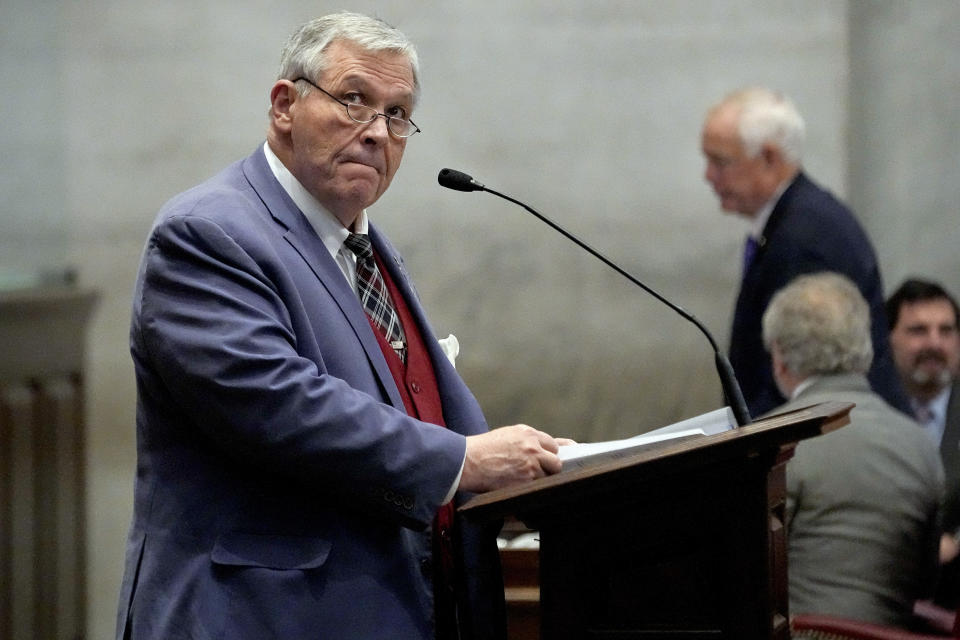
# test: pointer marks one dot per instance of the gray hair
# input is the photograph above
(304, 54)
(768, 116)
(821, 325)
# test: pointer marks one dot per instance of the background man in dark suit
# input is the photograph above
(752, 141)
(926, 348)
(300, 431)
(863, 502)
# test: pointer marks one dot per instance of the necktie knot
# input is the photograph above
(925, 414)
(360, 245)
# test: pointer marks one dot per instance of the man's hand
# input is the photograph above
(949, 548)
(508, 455)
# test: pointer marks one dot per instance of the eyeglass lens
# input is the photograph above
(364, 114)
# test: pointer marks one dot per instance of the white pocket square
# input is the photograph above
(451, 348)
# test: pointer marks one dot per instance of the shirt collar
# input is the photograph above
(331, 231)
(937, 405)
(759, 221)
(803, 386)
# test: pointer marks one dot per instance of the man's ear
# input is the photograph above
(776, 358)
(785, 380)
(282, 97)
(771, 154)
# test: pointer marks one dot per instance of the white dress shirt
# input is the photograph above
(932, 415)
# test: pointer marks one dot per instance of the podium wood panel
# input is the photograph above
(684, 540)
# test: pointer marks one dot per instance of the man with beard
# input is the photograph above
(926, 349)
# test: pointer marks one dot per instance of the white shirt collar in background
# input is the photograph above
(803, 386)
(936, 410)
(759, 221)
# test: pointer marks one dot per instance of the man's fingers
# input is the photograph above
(550, 463)
(507, 456)
(548, 442)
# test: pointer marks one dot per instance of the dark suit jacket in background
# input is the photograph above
(282, 490)
(808, 231)
(948, 592)
(950, 454)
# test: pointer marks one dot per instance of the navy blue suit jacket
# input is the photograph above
(282, 491)
(809, 230)
(950, 454)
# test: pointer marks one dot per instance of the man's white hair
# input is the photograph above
(768, 116)
(304, 54)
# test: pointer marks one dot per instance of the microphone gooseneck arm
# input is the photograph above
(459, 181)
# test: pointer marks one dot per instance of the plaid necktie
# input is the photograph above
(373, 293)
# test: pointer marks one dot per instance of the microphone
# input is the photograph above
(459, 181)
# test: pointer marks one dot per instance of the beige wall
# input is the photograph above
(588, 111)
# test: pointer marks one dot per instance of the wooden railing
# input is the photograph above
(42, 515)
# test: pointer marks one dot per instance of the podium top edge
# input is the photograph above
(772, 433)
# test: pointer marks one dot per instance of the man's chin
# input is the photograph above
(360, 183)
(363, 193)
(733, 208)
(734, 211)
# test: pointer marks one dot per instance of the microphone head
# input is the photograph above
(458, 181)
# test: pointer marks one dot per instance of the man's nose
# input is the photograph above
(710, 173)
(931, 341)
(377, 131)
(939, 339)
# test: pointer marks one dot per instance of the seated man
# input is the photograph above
(923, 319)
(863, 502)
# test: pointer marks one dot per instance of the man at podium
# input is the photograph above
(863, 502)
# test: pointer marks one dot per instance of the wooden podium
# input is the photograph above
(683, 539)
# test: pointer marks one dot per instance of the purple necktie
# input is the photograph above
(749, 251)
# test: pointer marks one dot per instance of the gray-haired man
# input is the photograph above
(863, 502)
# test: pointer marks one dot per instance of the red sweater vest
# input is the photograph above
(417, 383)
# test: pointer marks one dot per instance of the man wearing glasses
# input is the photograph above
(302, 438)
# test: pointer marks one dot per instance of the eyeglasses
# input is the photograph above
(362, 114)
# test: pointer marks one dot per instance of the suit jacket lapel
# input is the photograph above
(950, 445)
(307, 243)
(461, 412)
(780, 209)
(394, 264)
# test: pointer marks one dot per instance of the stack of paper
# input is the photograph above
(581, 454)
